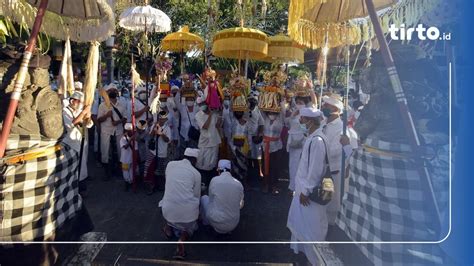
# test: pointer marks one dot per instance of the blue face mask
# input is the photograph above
(304, 128)
(327, 112)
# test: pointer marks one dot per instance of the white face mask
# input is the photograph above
(357, 114)
(300, 106)
(272, 117)
(189, 103)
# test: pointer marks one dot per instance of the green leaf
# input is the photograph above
(3, 28)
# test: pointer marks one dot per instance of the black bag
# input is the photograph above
(152, 144)
(193, 132)
(323, 193)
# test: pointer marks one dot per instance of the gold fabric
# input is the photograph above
(182, 41)
(240, 43)
(283, 49)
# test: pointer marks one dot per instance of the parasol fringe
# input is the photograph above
(59, 27)
(137, 81)
(92, 67)
(312, 35)
(66, 77)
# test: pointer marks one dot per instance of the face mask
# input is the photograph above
(163, 105)
(356, 115)
(142, 96)
(189, 103)
(327, 112)
(203, 108)
(272, 117)
(300, 106)
(226, 103)
(304, 128)
(238, 116)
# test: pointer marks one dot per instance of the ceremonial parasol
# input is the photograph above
(318, 23)
(82, 21)
(240, 43)
(182, 41)
(145, 18)
(283, 49)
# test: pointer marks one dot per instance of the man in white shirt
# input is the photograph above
(332, 107)
(209, 139)
(221, 209)
(255, 125)
(180, 203)
(307, 220)
(111, 119)
(74, 116)
(187, 110)
(141, 106)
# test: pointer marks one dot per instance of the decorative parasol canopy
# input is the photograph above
(317, 23)
(182, 41)
(240, 43)
(283, 49)
(80, 20)
(145, 18)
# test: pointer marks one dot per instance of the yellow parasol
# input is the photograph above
(329, 23)
(240, 43)
(283, 49)
(182, 41)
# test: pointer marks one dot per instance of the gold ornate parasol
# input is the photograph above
(283, 49)
(240, 43)
(182, 41)
(320, 23)
(80, 20)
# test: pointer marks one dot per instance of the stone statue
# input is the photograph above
(39, 111)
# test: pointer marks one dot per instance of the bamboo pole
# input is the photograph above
(404, 111)
(344, 119)
(134, 155)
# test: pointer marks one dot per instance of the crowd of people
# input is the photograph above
(202, 148)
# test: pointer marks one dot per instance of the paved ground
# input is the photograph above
(129, 216)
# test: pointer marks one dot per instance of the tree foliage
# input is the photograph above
(270, 16)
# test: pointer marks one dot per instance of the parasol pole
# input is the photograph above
(344, 119)
(20, 80)
(147, 66)
(323, 82)
(404, 111)
(134, 155)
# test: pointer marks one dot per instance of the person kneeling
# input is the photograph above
(221, 209)
(180, 203)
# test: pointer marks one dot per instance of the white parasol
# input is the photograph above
(145, 18)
